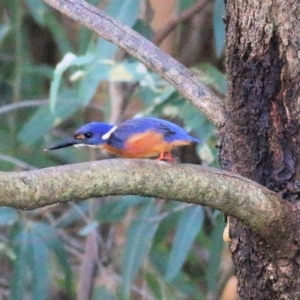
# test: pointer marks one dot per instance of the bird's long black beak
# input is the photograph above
(67, 143)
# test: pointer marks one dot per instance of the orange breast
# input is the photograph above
(146, 144)
(141, 145)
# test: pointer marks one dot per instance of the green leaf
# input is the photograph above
(189, 225)
(215, 251)
(4, 29)
(113, 210)
(93, 75)
(125, 11)
(159, 258)
(8, 216)
(185, 4)
(59, 33)
(68, 60)
(43, 71)
(127, 71)
(38, 10)
(155, 284)
(49, 236)
(39, 265)
(144, 29)
(74, 215)
(18, 285)
(138, 242)
(101, 293)
(33, 242)
(219, 27)
(43, 120)
(213, 77)
(91, 226)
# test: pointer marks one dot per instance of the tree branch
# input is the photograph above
(232, 194)
(143, 50)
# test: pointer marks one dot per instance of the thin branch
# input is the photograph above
(176, 20)
(17, 162)
(230, 193)
(30, 103)
(139, 47)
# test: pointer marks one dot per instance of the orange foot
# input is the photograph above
(166, 156)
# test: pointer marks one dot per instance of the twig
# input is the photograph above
(17, 162)
(30, 103)
(174, 21)
(164, 215)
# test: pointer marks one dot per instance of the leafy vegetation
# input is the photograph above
(54, 77)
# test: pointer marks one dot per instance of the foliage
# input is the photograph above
(152, 247)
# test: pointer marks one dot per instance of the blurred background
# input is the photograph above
(56, 75)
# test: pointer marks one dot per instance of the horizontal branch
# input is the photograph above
(146, 52)
(232, 194)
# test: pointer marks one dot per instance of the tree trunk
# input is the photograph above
(261, 138)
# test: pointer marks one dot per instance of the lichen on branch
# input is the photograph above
(230, 193)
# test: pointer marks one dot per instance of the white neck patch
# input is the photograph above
(107, 135)
(79, 145)
(86, 145)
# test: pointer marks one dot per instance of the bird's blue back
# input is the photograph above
(170, 131)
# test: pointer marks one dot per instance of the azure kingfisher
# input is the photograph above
(135, 138)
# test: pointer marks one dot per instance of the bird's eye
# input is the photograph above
(88, 134)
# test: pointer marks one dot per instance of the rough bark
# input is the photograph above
(261, 137)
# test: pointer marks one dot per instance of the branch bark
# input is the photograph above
(230, 193)
(143, 50)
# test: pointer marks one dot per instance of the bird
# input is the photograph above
(144, 137)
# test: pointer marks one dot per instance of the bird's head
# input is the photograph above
(87, 135)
